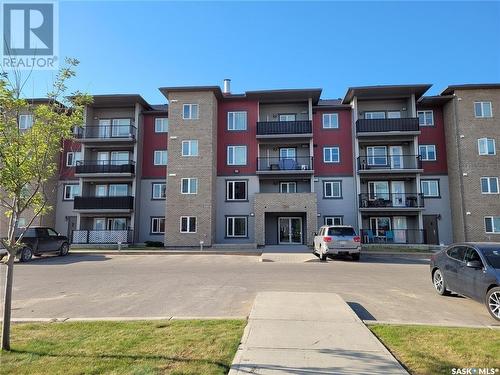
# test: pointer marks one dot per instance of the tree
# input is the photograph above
(29, 159)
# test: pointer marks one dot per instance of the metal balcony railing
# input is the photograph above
(391, 200)
(284, 127)
(298, 163)
(106, 203)
(105, 166)
(102, 236)
(390, 162)
(402, 236)
(409, 124)
(107, 132)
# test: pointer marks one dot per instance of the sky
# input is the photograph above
(138, 46)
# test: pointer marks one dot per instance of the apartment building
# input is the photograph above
(270, 167)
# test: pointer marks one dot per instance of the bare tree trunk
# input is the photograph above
(7, 302)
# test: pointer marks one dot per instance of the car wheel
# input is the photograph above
(26, 255)
(322, 255)
(493, 302)
(64, 250)
(439, 283)
(355, 257)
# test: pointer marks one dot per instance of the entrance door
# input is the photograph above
(104, 128)
(431, 229)
(399, 227)
(290, 230)
(396, 153)
(398, 193)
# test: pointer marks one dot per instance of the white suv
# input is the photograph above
(337, 240)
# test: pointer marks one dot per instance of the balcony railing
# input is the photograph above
(409, 124)
(284, 127)
(398, 236)
(298, 163)
(105, 166)
(107, 132)
(102, 236)
(390, 162)
(391, 200)
(104, 203)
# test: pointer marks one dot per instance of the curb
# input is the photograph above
(444, 325)
(164, 252)
(395, 253)
(125, 319)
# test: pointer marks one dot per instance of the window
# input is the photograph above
(189, 186)
(25, 122)
(489, 185)
(236, 226)
(157, 225)
(288, 187)
(190, 111)
(159, 190)
(236, 190)
(330, 120)
(237, 120)
(236, 155)
(377, 155)
(425, 118)
(161, 125)
(380, 225)
(160, 157)
(121, 127)
(71, 191)
(188, 224)
(430, 188)
(427, 152)
(331, 155)
(378, 190)
(486, 146)
(119, 157)
(190, 148)
(482, 109)
(21, 223)
(118, 190)
(72, 158)
(332, 189)
(287, 117)
(394, 114)
(334, 220)
(457, 253)
(374, 115)
(492, 224)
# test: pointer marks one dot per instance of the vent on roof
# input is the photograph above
(227, 86)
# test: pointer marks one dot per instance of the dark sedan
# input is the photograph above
(471, 270)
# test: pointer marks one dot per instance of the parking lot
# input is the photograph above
(389, 288)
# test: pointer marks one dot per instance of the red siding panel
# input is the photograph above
(152, 141)
(68, 173)
(434, 135)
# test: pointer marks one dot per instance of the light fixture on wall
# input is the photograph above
(252, 214)
(236, 171)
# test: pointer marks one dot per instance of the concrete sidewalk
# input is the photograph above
(309, 333)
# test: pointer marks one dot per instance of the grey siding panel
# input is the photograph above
(346, 206)
(63, 208)
(149, 208)
(440, 206)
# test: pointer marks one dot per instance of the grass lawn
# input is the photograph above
(153, 347)
(436, 350)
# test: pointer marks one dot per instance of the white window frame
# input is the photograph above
(188, 226)
(369, 115)
(190, 143)
(162, 187)
(372, 155)
(234, 148)
(192, 115)
(426, 114)
(482, 105)
(24, 124)
(427, 152)
(330, 120)
(161, 125)
(158, 221)
(288, 184)
(72, 157)
(231, 125)
(489, 179)
(340, 220)
(233, 182)
(190, 189)
(230, 222)
(339, 183)
(72, 195)
(492, 218)
(429, 182)
(160, 152)
(330, 149)
(486, 148)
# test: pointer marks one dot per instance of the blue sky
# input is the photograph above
(136, 47)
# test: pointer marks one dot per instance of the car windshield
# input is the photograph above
(341, 232)
(492, 256)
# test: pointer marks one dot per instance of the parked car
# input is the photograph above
(38, 240)
(337, 240)
(471, 270)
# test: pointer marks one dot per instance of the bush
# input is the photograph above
(154, 244)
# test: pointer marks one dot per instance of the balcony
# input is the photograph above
(96, 167)
(274, 129)
(389, 164)
(100, 133)
(384, 201)
(374, 127)
(397, 236)
(102, 236)
(277, 165)
(125, 203)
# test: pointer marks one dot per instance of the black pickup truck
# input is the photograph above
(38, 240)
